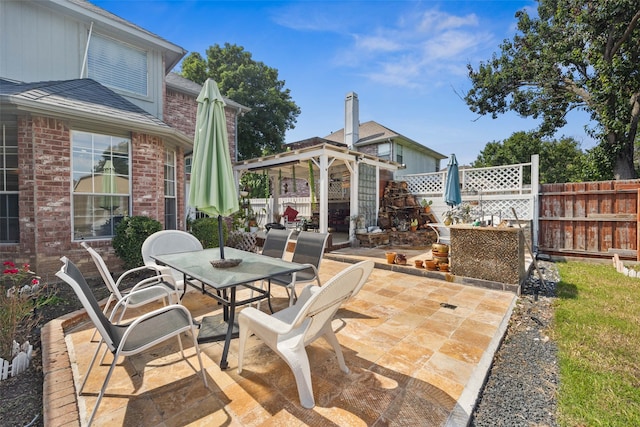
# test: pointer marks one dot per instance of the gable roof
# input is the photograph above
(180, 84)
(84, 100)
(105, 20)
(372, 132)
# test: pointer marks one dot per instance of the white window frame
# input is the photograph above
(170, 182)
(12, 221)
(93, 194)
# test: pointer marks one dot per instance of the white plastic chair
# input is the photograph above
(169, 242)
(144, 332)
(289, 331)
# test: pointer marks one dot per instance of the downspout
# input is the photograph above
(86, 52)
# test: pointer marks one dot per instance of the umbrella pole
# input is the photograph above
(220, 237)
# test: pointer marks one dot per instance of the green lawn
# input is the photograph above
(597, 328)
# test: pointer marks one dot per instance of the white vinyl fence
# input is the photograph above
(21, 358)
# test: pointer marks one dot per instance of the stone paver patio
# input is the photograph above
(418, 349)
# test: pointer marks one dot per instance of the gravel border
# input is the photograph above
(522, 384)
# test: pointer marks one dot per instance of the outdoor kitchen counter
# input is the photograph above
(496, 254)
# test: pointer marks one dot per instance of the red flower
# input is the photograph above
(35, 282)
(11, 271)
(9, 263)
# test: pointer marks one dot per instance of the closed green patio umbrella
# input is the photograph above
(212, 189)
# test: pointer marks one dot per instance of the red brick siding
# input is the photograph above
(369, 149)
(180, 112)
(44, 153)
(148, 176)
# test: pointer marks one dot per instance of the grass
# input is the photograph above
(597, 328)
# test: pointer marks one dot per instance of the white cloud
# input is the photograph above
(409, 47)
(435, 20)
(422, 50)
(376, 43)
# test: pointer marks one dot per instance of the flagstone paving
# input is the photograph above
(418, 350)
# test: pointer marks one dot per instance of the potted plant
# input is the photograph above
(252, 222)
(414, 224)
(448, 217)
(426, 205)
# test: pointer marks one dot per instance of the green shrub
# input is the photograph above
(131, 232)
(206, 230)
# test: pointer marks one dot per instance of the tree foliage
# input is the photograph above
(252, 84)
(578, 54)
(560, 161)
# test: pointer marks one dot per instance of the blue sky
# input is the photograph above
(406, 60)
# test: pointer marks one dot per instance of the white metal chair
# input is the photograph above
(144, 332)
(165, 281)
(289, 331)
(309, 250)
(443, 233)
(169, 242)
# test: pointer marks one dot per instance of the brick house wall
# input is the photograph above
(180, 112)
(44, 159)
(371, 149)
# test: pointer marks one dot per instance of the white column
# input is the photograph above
(324, 193)
(377, 195)
(535, 191)
(353, 206)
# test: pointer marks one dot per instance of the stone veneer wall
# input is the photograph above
(489, 253)
(418, 238)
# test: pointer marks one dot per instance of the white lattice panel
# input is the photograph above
(492, 179)
(502, 208)
(426, 183)
(487, 180)
(337, 192)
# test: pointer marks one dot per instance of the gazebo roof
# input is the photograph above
(303, 152)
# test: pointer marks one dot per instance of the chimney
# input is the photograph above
(351, 120)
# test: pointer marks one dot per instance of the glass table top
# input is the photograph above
(254, 267)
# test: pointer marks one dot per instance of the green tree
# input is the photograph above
(578, 55)
(253, 84)
(560, 161)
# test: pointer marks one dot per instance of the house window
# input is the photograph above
(101, 183)
(187, 164)
(384, 150)
(399, 154)
(117, 65)
(170, 203)
(9, 227)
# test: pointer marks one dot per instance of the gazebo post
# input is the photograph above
(324, 193)
(353, 202)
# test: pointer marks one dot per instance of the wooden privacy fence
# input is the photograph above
(589, 219)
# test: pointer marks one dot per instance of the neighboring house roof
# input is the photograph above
(372, 132)
(180, 84)
(85, 100)
(310, 142)
(88, 12)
